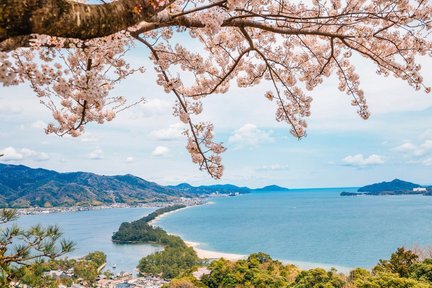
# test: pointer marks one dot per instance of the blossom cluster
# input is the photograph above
(291, 45)
(74, 83)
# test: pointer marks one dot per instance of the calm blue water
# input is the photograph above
(313, 225)
(92, 230)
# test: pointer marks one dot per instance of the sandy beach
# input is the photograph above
(154, 221)
(207, 254)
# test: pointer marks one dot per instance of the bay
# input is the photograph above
(92, 231)
(310, 227)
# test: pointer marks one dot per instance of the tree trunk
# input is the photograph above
(69, 19)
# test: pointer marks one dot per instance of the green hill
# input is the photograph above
(394, 187)
(21, 186)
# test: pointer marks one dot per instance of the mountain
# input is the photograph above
(223, 189)
(395, 187)
(273, 188)
(21, 186)
(389, 187)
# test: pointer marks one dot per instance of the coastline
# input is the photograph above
(155, 220)
(202, 253)
(214, 255)
(42, 210)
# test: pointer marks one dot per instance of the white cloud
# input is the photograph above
(10, 110)
(426, 134)
(426, 146)
(417, 152)
(160, 151)
(250, 135)
(427, 161)
(361, 161)
(405, 147)
(130, 159)
(411, 150)
(173, 132)
(39, 124)
(274, 167)
(155, 107)
(88, 137)
(11, 154)
(96, 154)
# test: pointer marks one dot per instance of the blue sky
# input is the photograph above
(340, 149)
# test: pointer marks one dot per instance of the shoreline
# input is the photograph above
(214, 255)
(50, 210)
(155, 220)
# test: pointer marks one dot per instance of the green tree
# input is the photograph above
(98, 257)
(259, 270)
(169, 263)
(182, 283)
(422, 271)
(87, 270)
(318, 278)
(400, 262)
(387, 280)
(22, 247)
(34, 276)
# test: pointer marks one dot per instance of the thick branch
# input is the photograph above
(69, 19)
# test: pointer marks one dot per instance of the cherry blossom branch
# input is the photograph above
(212, 164)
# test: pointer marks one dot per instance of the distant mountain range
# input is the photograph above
(395, 187)
(223, 189)
(22, 186)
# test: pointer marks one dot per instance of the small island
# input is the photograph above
(395, 187)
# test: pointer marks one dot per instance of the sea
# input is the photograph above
(307, 227)
(92, 231)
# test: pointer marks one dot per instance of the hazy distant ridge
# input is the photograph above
(224, 189)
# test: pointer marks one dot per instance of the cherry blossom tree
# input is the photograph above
(72, 54)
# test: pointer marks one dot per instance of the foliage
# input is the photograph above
(21, 247)
(161, 211)
(387, 280)
(318, 278)
(422, 271)
(402, 270)
(259, 270)
(84, 270)
(34, 275)
(184, 282)
(400, 263)
(289, 44)
(140, 231)
(172, 262)
(97, 257)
